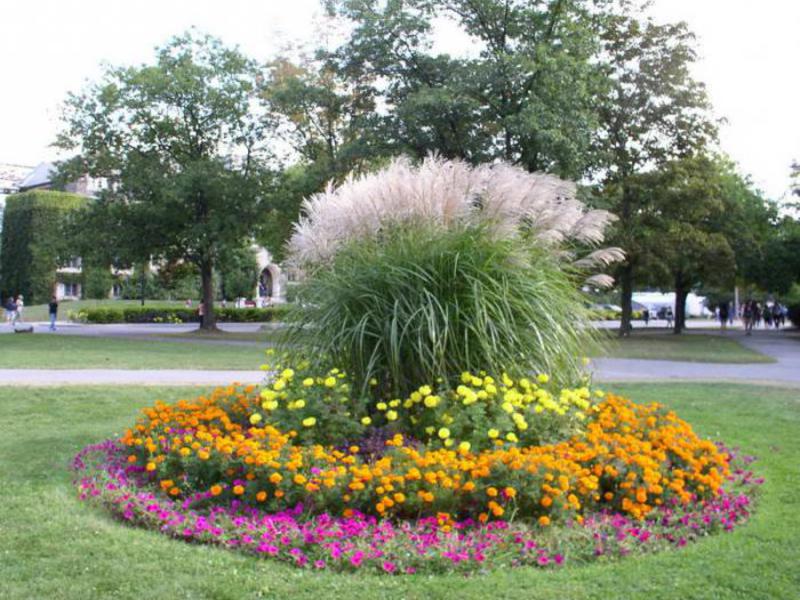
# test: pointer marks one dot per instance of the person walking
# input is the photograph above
(20, 305)
(11, 310)
(670, 316)
(646, 316)
(201, 312)
(777, 313)
(723, 315)
(748, 317)
(53, 309)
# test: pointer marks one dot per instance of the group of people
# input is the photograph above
(753, 313)
(13, 307)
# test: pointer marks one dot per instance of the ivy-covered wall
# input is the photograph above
(33, 242)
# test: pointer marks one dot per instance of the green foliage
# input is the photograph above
(685, 207)
(529, 97)
(35, 242)
(645, 60)
(478, 411)
(146, 314)
(181, 142)
(422, 303)
(97, 282)
(238, 273)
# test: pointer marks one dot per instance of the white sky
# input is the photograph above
(750, 60)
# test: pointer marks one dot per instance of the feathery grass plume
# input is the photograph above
(447, 193)
(417, 273)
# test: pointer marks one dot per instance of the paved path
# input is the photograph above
(784, 347)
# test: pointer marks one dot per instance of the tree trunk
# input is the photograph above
(142, 284)
(208, 320)
(626, 299)
(680, 305)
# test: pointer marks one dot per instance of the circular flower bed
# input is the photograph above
(495, 473)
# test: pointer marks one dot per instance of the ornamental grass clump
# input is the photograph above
(417, 273)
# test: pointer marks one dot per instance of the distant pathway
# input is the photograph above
(784, 347)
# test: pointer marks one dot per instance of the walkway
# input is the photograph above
(784, 347)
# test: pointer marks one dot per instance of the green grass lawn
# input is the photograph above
(53, 546)
(44, 351)
(263, 336)
(692, 347)
(40, 312)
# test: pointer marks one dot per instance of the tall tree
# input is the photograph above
(330, 122)
(686, 205)
(180, 143)
(527, 97)
(654, 112)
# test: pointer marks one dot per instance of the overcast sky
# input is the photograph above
(750, 60)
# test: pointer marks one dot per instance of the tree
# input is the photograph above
(180, 143)
(796, 178)
(653, 112)
(330, 122)
(685, 200)
(527, 98)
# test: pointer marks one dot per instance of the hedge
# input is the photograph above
(146, 314)
(33, 241)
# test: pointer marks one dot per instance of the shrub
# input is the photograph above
(145, 314)
(419, 273)
(422, 304)
(34, 242)
(480, 411)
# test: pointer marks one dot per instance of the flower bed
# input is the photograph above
(430, 544)
(218, 469)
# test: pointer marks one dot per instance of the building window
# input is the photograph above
(116, 290)
(72, 290)
(73, 263)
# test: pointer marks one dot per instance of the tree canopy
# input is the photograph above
(180, 143)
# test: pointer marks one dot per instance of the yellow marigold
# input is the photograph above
(366, 421)
(493, 433)
(238, 490)
(432, 401)
(255, 419)
(391, 415)
(444, 433)
(309, 421)
(544, 520)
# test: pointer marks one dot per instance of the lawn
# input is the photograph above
(43, 351)
(269, 336)
(692, 347)
(55, 547)
(39, 312)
